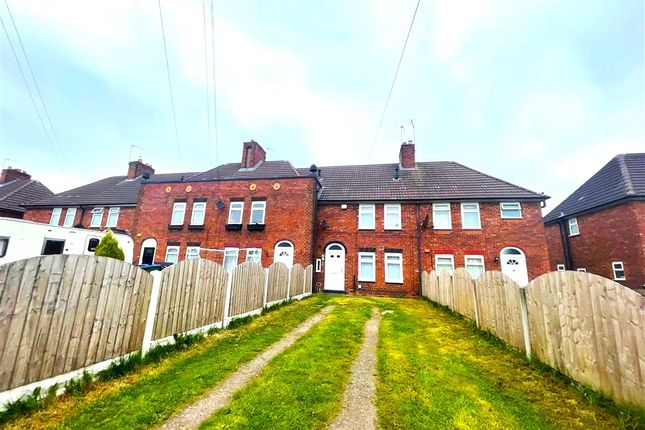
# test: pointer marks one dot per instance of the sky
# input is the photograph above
(539, 93)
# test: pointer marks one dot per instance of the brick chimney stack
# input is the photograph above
(406, 155)
(252, 154)
(138, 168)
(9, 174)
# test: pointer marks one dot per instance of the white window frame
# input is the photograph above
(198, 208)
(474, 209)
(55, 217)
(235, 207)
(70, 215)
(571, 225)
(192, 252)
(452, 261)
(388, 278)
(113, 213)
(367, 256)
(560, 267)
(581, 269)
(510, 206)
(366, 209)
(441, 208)
(251, 253)
(258, 205)
(178, 208)
(392, 208)
(172, 248)
(618, 266)
(97, 213)
(229, 252)
(481, 259)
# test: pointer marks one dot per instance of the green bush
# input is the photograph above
(109, 247)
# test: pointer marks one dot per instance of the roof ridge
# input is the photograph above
(498, 179)
(624, 172)
(27, 182)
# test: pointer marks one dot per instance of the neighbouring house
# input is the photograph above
(600, 227)
(18, 189)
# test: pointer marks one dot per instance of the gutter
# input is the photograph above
(418, 225)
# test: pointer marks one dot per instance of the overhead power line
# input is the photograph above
(214, 84)
(396, 74)
(172, 99)
(208, 98)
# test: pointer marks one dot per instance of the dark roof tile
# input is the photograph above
(266, 169)
(15, 194)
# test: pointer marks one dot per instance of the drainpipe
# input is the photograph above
(566, 245)
(314, 276)
(418, 225)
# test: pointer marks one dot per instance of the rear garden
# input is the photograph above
(433, 370)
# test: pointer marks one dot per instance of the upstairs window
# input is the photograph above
(254, 255)
(510, 209)
(366, 216)
(258, 210)
(394, 267)
(619, 270)
(69, 217)
(192, 253)
(97, 217)
(113, 217)
(172, 254)
(199, 213)
(441, 219)
(235, 213)
(573, 227)
(470, 216)
(444, 262)
(366, 266)
(392, 218)
(55, 218)
(474, 265)
(178, 213)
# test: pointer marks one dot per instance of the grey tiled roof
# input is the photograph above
(622, 178)
(439, 180)
(115, 190)
(18, 192)
(266, 169)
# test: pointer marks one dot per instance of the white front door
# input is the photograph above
(513, 262)
(335, 268)
(284, 253)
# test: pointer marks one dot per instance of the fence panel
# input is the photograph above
(309, 279)
(592, 329)
(444, 289)
(297, 274)
(247, 288)
(62, 312)
(463, 289)
(191, 296)
(278, 282)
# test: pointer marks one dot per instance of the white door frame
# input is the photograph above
(335, 281)
(277, 248)
(520, 274)
(143, 246)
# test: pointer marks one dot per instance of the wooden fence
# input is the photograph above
(62, 313)
(588, 327)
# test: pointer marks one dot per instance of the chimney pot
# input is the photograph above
(139, 168)
(10, 174)
(406, 156)
(252, 154)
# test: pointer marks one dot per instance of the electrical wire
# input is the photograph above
(208, 101)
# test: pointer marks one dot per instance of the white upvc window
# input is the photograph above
(97, 217)
(366, 217)
(235, 212)
(55, 218)
(69, 217)
(172, 254)
(619, 270)
(113, 217)
(258, 212)
(470, 216)
(582, 269)
(178, 213)
(366, 266)
(573, 227)
(441, 218)
(254, 255)
(510, 209)
(392, 216)
(394, 267)
(444, 262)
(230, 258)
(199, 213)
(560, 268)
(474, 265)
(192, 252)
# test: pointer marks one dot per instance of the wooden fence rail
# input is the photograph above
(588, 327)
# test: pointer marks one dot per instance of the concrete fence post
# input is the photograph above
(266, 287)
(227, 298)
(525, 322)
(152, 311)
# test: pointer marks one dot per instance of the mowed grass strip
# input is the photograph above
(155, 397)
(435, 371)
(302, 388)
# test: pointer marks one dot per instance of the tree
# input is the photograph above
(109, 247)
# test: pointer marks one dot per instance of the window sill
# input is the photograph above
(366, 229)
(196, 227)
(573, 235)
(620, 279)
(255, 227)
(471, 228)
(394, 282)
(442, 228)
(371, 281)
(175, 226)
(511, 217)
(233, 227)
(392, 229)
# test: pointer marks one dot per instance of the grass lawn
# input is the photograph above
(303, 387)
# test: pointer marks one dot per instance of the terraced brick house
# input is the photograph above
(600, 227)
(18, 189)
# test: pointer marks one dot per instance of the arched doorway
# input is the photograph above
(513, 262)
(148, 249)
(283, 253)
(334, 267)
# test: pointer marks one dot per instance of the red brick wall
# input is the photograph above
(554, 243)
(43, 215)
(526, 233)
(289, 216)
(611, 234)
